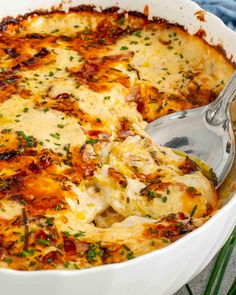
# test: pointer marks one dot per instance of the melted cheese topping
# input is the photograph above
(81, 183)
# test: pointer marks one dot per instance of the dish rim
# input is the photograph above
(168, 248)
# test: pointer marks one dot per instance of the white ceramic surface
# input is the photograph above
(161, 272)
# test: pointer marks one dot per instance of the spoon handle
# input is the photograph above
(218, 111)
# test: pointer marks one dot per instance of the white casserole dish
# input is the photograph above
(163, 271)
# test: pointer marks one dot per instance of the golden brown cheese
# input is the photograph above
(81, 183)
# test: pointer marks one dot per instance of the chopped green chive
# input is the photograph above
(80, 233)
(121, 21)
(164, 199)
(55, 135)
(25, 110)
(191, 188)
(91, 141)
(193, 211)
(138, 34)
(44, 242)
(60, 126)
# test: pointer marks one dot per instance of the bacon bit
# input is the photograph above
(87, 151)
(123, 134)
(112, 253)
(117, 176)
(34, 36)
(134, 95)
(69, 245)
(181, 216)
(19, 175)
(82, 246)
(140, 106)
(45, 161)
(34, 60)
(99, 134)
(201, 33)
(146, 10)
(26, 229)
(50, 257)
(119, 57)
(41, 202)
(12, 52)
(41, 235)
(189, 166)
(10, 184)
(158, 186)
(125, 130)
(16, 67)
(42, 53)
(62, 96)
(164, 42)
(3, 253)
(34, 168)
(200, 14)
(29, 62)
(88, 71)
(8, 155)
(29, 152)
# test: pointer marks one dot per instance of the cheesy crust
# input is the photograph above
(81, 183)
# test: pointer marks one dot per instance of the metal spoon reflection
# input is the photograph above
(204, 132)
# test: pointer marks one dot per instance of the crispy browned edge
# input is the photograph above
(114, 9)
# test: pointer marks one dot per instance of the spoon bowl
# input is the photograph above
(205, 132)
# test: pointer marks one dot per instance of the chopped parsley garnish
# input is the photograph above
(107, 97)
(46, 110)
(170, 47)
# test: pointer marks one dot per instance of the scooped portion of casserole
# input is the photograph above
(81, 183)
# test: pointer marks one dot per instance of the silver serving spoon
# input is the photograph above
(204, 132)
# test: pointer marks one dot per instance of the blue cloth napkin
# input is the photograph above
(225, 9)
